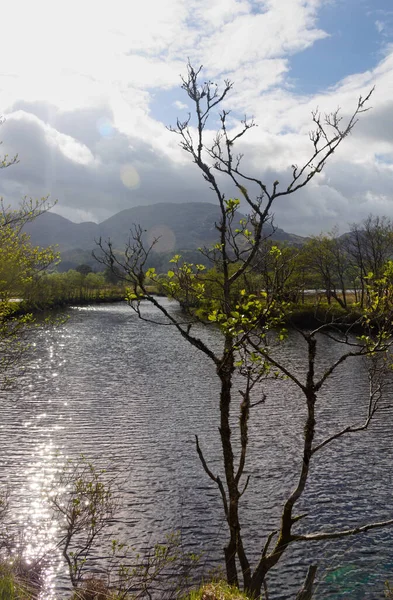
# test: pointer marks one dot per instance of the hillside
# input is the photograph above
(185, 226)
(50, 229)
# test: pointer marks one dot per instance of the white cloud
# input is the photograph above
(80, 78)
(216, 13)
(68, 146)
(180, 105)
(272, 34)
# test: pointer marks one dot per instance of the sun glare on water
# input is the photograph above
(37, 545)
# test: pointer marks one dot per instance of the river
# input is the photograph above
(131, 395)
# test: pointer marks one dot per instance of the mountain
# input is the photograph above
(185, 226)
(50, 229)
(180, 226)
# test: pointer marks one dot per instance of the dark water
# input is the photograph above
(131, 396)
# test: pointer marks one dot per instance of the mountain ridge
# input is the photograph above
(178, 226)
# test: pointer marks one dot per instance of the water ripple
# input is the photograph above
(133, 395)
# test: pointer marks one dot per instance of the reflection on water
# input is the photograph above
(133, 395)
(34, 532)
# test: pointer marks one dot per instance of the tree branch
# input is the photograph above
(213, 477)
(334, 535)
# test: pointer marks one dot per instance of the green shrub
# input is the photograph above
(219, 590)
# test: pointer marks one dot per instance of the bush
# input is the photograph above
(217, 591)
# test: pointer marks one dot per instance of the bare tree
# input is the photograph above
(247, 320)
(326, 257)
(369, 245)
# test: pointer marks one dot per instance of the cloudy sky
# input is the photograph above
(87, 88)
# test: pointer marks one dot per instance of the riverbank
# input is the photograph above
(310, 316)
(307, 315)
(23, 307)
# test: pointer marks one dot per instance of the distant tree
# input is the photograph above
(95, 280)
(21, 269)
(369, 245)
(84, 269)
(326, 257)
(252, 323)
(112, 275)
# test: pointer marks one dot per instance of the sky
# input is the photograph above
(88, 88)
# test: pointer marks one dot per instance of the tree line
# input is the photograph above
(334, 271)
(340, 267)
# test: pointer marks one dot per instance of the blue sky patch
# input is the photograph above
(359, 30)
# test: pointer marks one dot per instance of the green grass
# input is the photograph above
(218, 590)
(12, 585)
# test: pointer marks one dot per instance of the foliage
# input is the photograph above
(83, 507)
(20, 263)
(14, 342)
(60, 289)
(252, 321)
(388, 590)
(83, 503)
(217, 591)
(21, 266)
(19, 579)
(339, 264)
(336, 267)
(14, 585)
(165, 569)
(26, 284)
(84, 269)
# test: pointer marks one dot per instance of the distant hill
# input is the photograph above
(50, 229)
(182, 226)
(185, 226)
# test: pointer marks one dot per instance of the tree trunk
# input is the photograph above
(285, 537)
(225, 372)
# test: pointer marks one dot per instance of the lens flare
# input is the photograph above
(105, 127)
(166, 239)
(129, 176)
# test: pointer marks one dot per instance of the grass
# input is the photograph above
(15, 584)
(218, 590)
(94, 588)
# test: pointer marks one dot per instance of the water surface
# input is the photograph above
(131, 395)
